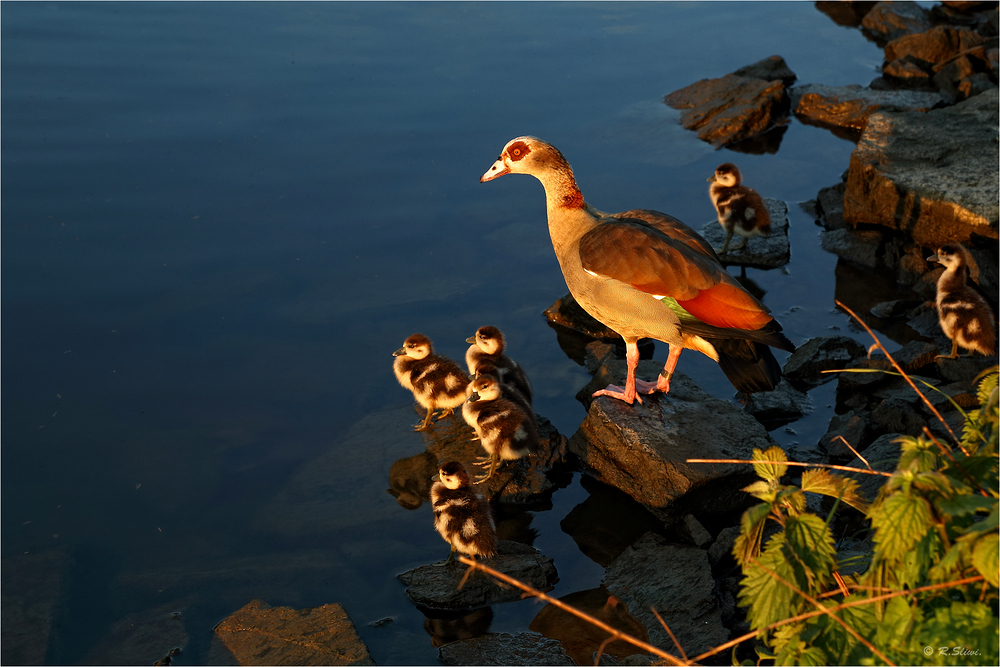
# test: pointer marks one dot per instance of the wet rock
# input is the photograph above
(894, 308)
(924, 320)
(694, 531)
(784, 404)
(911, 357)
(445, 627)
(859, 246)
(850, 106)
(811, 358)
(32, 587)
(963, 369)
(581, 639)
(906, 72)
(896, 415)
(607, 364)
(931, 175)
(882, 455)
(831, 206)
(722, 547)
(732, 108)
(677, 581)
(848, 14)
(759, 252)
(642, 448)
(773, 68)
(933, 47)
(435, 586)
(259, 634)
(523, 648)
(525, 481)
(887, 21)
(851, 427)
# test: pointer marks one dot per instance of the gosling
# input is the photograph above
(486, 355)
(964, 315)
(461, 514)
(505, 431)
(740, 209)
(436, 381)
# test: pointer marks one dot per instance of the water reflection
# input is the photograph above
(765, 143)
(445, 627)
(410, 479)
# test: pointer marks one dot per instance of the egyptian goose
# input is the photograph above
(964, 315)
(486, 354)
(740, 209)
(436, 381)
(504, 429)
(646, 274)
(462, 515)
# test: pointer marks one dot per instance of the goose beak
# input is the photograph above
(496, 171)
(400, 352)
(436, 478)
(710, 178)
(473, 397)
(933, 258)
(470, 340)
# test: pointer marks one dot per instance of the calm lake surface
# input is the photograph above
(220, 219)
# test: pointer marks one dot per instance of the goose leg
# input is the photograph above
(445, 413)
(426, 424)
(954, 352)
(494, 459)
(663, 381)
(628, 394)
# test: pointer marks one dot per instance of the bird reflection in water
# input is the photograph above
(447, 627)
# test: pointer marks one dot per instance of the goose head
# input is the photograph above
(484, 388)
(531, 155)
(727, 175)
(417, 346)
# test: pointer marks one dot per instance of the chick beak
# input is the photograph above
(436, 478)
(934, 258)
(400, 352)
(473, 397)
(711, 179)
(471, 340)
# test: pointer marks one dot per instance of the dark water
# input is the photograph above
(220, 219)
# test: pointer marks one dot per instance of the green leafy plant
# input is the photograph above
(929, 594)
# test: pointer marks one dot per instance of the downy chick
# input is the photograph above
(740, 209)
(486, 355)
(462, 515)
(436, 381)
(964, 315)
(505, 431)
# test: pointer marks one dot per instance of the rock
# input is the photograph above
(259, 634)
(933, 47)
(831, 205)
(773, 68)
(807, 363)
(783, 405)
(759, 252)
(924, 320)
(850, 427)
(848, 14)
(731, 108)
(523, 648)
(963, 369)
(859, 246)
(894, 308)
(887, 21)
(906, 72)
(32, 587)
(435, 586)
(695, 531)
(850, 106)
(580, 638)
(911, 357)
(722, 547)
(896, 415)
(642, 448)
(607, 363)
(931, 175)
(677, 581)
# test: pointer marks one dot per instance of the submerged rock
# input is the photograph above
(931, 175)
(784, 404)
(760, 252)
(523, 648)
(824, 353)
(677, 581)
(735, 107)
(642, 448)
(259, 634)
(887, 21)
(850, 106)
(435, 586)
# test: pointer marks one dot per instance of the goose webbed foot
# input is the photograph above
(614, 391)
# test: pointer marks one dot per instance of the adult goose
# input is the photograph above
(645, 274)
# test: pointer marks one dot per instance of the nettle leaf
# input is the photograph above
(988, 385)
(761, 490)
(985, 557)
(916, 454)
(963, 633)
(990, 523)
(899, 522)
(752, 523)
(769, 599)
(809, 545)
(771, 472)
(951, 563)
(833, 485)
(963, 505)
(933, 482)
(898, 620)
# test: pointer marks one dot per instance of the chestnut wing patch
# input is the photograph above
(642, 256)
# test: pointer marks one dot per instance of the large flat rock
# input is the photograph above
(642, 449)
(760, 252)
(259, 634)
(851, 106)
(931, 175)
(677, 581)
(523, 648)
